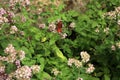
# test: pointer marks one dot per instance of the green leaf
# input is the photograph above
(58, 53)
(88, 77)
(106, 77)
(28, 61)
(42, 62)
(10, 67)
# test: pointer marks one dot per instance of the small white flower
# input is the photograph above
(42, 26)
(52, 27)
(55, 71)
(106, 30)
(118, 44)
(22, 33)
(76, 62)
(72, 25)
(23, 73)
(10, 49)
(2, 11)
(13, 29)
(85, 56)
(117, 9)
(118, 22)
(70, 61)
(113, 47)
(63, 35)
(79, 78)
(35, 68)
(97, 30)
(90, 68)
(21, 54)
(2, 69)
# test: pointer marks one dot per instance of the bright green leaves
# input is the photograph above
(28, 61)
(58, 53)
(88, 77)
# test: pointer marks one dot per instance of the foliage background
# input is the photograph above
(48, 50)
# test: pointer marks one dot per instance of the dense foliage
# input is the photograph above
(53, 42)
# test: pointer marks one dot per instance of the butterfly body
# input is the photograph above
(59, 27)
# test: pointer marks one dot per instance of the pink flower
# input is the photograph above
(10, 49)
(41, 26)
(23, 73)
(2, 11)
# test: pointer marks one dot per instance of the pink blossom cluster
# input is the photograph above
(6, 16)
(76, 62)
(55, 71)
(90, 68)
(113, 14)
(3, 75)
(12, 54)
(79, 78)
(72, 25)
(2, 11)
(21, 2)
(2, 69)
(25, 72)
(85, 58)
(2, 18)
(13, 29)
(52, 27)
(35, 68)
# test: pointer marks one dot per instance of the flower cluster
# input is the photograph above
(79, 78)
(52, 27)
(97, 30)
(113, 14)
(85, 56)
(106, 30)
(17, 63)
(21, 2)
(3, 75)
(41, 26)
(117, 9)
(2, 18)
(6, 16)
(113, 47)
(118, 44)
(76, 62)
(83, 63)
(35, 68)
(23, 73)
(72, 25)
(55, 71)
(2, 11)
(2, 69)
(13, 29)
(12, 54)
(90, 68)
(63, 35)
(118, 22)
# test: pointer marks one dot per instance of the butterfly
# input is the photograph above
(59, 27)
